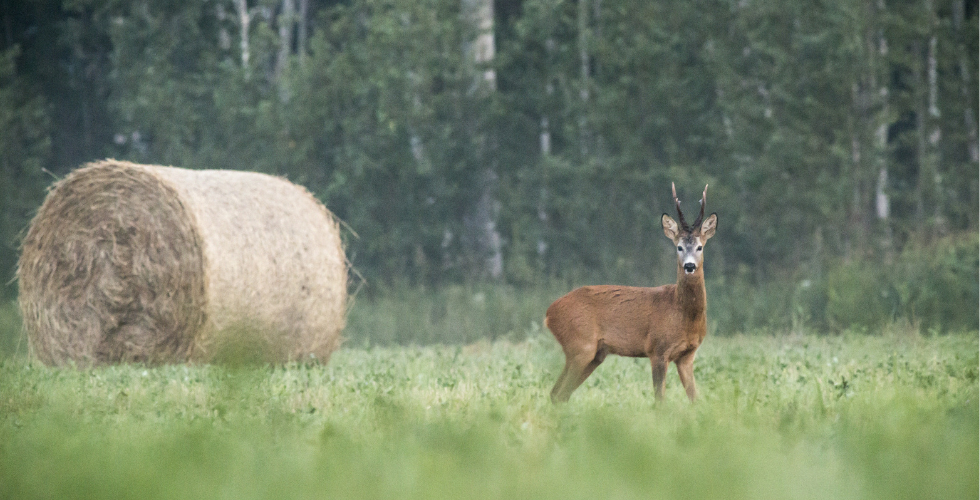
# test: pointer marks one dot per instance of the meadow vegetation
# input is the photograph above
(892, 415)
(443, 393)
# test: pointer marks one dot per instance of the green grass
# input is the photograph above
(888, 417)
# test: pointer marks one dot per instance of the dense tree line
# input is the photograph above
(525, 140)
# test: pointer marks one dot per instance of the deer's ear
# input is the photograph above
(708, 227)
(670, 227)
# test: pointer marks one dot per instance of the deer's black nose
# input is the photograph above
(690, 267)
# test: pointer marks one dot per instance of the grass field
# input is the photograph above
(887, 417)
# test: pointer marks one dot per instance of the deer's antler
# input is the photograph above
(704, 194)
(680, 215)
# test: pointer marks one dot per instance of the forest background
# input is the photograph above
(517, 148)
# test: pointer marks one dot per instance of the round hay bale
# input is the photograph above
(127, 262)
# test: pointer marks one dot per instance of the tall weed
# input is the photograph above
(12, 339)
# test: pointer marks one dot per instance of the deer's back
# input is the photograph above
(627, 320)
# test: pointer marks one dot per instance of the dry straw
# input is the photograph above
(128, 262)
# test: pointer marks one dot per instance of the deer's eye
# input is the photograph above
(680, 249)
(700, 247)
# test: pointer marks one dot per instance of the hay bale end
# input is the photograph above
(127, 262)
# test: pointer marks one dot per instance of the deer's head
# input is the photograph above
(689, 239)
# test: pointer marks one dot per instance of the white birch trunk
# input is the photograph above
(286, 22)
(482, 49)
(880, 72)
(481, 223)
(245, 20)
(935, 129)
(301, 32)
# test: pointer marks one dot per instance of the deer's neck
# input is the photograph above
(691, 295)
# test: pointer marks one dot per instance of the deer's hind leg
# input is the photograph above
(659, 376)
(578, 367)
(558, 391)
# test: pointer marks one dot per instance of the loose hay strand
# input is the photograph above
(128, 262)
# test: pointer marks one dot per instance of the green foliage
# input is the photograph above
(25, 144)
(801, 117)
(792, 417)
(857, 295)
(451, 315)
(929, 286)
(939, 287)
(737, 304)
(397, 151)
(933, 285)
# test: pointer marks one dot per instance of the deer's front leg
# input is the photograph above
(659, 376)
(685, 369)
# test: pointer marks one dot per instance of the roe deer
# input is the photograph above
(665, 323)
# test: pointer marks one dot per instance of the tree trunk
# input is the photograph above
(969, 120)
(224, 38)
(935, 128)
(244, 19)
(880, 72)
(544, 140)
(481, 49)
(969, 101)
(584, 76)
(485, 244)
(969, 105)
(286, 21)
(301, 32)
(928, 189)
(920, 135)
